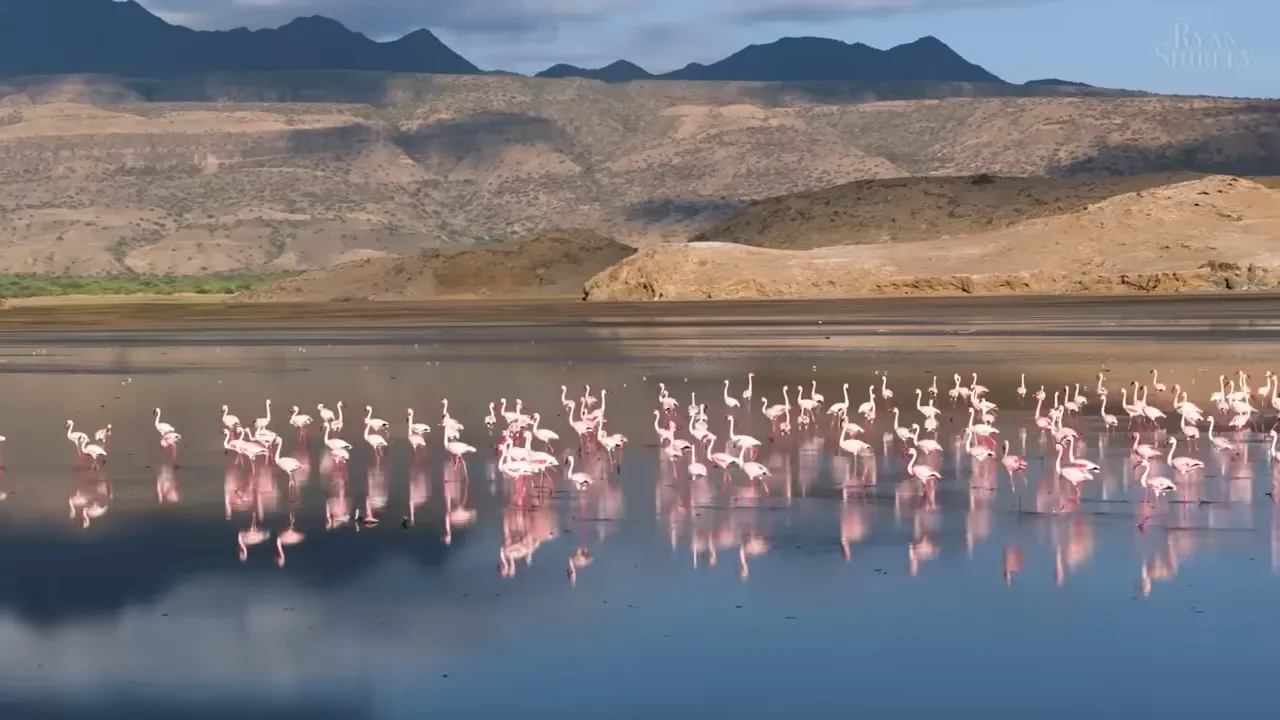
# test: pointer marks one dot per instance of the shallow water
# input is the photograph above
(838, 585)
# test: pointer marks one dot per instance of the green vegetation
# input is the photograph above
(28, 285)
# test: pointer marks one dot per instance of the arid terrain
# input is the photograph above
(551, 264)
(1211, 233)
(283, 171)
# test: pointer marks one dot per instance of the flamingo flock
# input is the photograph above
(692, 449)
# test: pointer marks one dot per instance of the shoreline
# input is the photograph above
(1023, 311)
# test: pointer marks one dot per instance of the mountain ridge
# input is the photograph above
(124, 38)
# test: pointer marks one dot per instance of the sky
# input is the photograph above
(1215, 47)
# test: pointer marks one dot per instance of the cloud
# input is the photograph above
(818, 11)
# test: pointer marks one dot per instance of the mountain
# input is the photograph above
(1057, 82)
(53, 37)
(796, 59)
(619, 71)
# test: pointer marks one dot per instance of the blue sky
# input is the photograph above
(1219, 47)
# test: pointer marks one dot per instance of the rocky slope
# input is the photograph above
(296, 171)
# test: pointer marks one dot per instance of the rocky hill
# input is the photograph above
(237, 172)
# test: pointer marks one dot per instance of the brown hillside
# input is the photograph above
(1212, 232)
(552, 264)
(239, 174)
(865, 212)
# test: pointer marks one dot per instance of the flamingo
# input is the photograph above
(696, 469)
(1155, 381)
(868, 408)
(74, 435)
(1012, 463)
(746, 394)
(580, 480)
(1182, 463)
(841, 409)
(421, 428)
(169, 443)
(1158, 484)
(1144, 451)
(262, 422)
(377, 442)
(729, 401)
(287, 464)
(852, 445)
(299, 420)
(229, 420)
(370, 421)
(543, 434)
(162, 427)
(96, 453)
(457, 449)
(754, 470)
(921, 472)
(326, 415)
(1219, 443)
(742, 441)
(926, 445)
(1071, 473)
(1022, 387)
(334, 444)
(1108, 419)
(980, 428)
(885, 392)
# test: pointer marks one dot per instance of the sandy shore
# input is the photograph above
(1026, 314)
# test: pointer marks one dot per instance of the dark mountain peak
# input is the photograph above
(52, 37)
(316, 24)
(799, 59)
(614, 72)
(1057, 81)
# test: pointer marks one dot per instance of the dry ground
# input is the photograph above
(296, 171)
(1217, 232)
(552, 264)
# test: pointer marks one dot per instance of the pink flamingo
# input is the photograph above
(169, 443)
(162, 427)
(754, 470)
(377, 442)
(298, 420)
(287, 464)
(95, 453)
(229, 420)
(457, 450)
(1012, 463)
(1182, 463)
(921, 472)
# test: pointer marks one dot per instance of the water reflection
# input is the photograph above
(317, 565)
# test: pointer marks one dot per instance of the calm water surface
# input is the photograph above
(837, 586)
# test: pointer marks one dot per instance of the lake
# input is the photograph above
(838, 583)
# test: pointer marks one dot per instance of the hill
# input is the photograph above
(551, 264)
(297, 170)
(912, 209)
(1214, 232)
